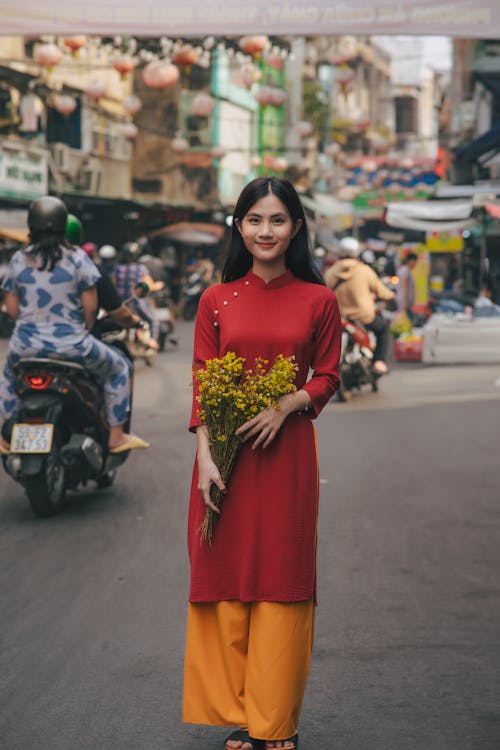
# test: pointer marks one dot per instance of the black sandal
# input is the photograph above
(241, 735)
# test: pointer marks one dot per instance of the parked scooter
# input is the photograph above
(195, 286)
(356, 359)
(59, 437)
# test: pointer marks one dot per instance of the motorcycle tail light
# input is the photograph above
(38, 382)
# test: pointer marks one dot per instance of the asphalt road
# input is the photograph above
(407, 649)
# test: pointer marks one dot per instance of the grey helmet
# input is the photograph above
(47, 214)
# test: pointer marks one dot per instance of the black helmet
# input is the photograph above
(130, 251)
(47, 214)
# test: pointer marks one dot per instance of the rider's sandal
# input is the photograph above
(241, 735)
(132, 443)
(4, 448)
(294, 739)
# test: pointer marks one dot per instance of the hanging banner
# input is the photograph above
(461, 18)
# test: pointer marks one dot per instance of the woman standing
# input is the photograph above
(252, 593)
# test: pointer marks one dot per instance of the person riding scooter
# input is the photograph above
(51, 293)
(357, 286)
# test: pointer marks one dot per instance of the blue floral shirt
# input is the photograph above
(50, 311)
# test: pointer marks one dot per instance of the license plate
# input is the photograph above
(31, 438)
(162, 313)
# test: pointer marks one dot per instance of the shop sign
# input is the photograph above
(23, 175)
(449, 241)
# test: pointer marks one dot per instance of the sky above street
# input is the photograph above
(411, 54)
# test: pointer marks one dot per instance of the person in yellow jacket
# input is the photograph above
(357, 287)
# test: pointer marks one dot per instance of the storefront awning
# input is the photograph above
(430, 216)
(488, 143)
(191, 233)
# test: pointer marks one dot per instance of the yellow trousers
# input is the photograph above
(246, 665)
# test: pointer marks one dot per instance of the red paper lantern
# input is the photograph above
(124, 64)
(253, 45)
(264, 95)
(278, 96)
(160, 75)
(64, 104)
(202, 105)
(185, 56)
(95, 90)
(132, 104)
(48, 55)
(74, 43)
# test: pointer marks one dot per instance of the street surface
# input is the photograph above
(407, 649)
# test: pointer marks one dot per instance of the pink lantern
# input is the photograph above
(185, 56)
(253, 45)
(344, 74)
(264, 95)
(280, 164)
(250, 74)
(278, 96)
(179, 144)
(48, 55)
(64, 104)
(74, 43)
(130, 131)
(305, 129)
(160, 75)
(217, 152)
(124, 64)
(95, 90)
(132, 104)
(202, 105)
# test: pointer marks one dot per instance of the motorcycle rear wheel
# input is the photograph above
(47, 490)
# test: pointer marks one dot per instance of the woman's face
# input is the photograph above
(267, 230)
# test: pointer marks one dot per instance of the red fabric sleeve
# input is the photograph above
(325, 362)
(206, 346)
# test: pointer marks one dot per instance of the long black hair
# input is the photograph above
(298, 257)
(48, 246)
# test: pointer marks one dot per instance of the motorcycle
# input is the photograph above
(195, 286)
(162, 315)
(59, 437)
(356, 359)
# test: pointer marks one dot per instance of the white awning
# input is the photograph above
(196, 18)
(430, 216)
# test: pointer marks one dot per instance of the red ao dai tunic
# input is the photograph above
(264, 545)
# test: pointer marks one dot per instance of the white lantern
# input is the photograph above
(132, 104)
(250, 74)
(217, 152)
(95, 90)
(130, 131)
(202, 105)
(179, 144)
(48, 55)
(305, 128)
(65, 104)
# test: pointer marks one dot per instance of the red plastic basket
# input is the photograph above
(408, 351)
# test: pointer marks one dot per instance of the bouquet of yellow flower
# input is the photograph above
(230, 395)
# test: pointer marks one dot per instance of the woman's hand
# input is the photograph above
(266, 425)
(208, 473)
